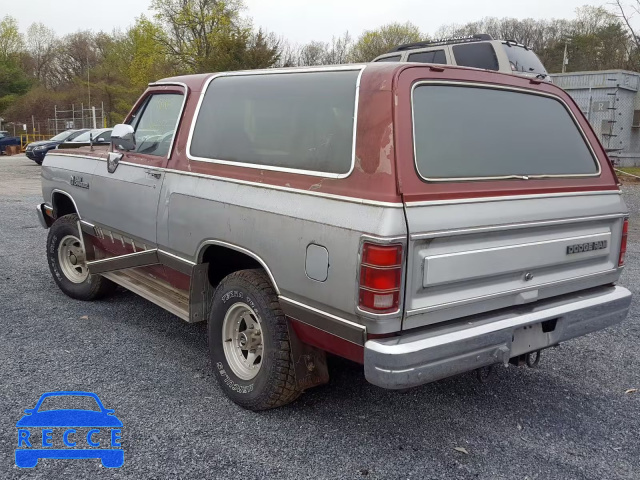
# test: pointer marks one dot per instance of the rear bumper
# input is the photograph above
(438, 352)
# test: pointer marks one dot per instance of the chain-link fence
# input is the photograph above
(76, 117)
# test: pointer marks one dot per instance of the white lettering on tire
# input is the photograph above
(230, 383)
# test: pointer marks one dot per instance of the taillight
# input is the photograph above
(623, 242)
(380, 277)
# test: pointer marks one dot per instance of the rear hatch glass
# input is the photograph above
(467, 132)
(523, 60)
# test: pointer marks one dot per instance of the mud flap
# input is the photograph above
(310, 363)
(201, 294)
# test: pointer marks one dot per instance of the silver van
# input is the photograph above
(478, 51)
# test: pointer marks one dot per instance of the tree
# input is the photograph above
(376, 42)
(13, 82)
(625, 12)
(11, 41)
(41, 46)
(198, 33)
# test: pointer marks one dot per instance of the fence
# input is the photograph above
(76, 118)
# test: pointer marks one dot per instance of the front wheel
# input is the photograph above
(249, 342)
(68, 264)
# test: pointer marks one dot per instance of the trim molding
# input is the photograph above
(511, 226)
(359, 201)
(220, 243)
(298, 171)
(327, 322)
(506, 198)
(130, 260)
(175, 262)
(468, 84)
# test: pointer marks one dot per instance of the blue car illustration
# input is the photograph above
(27, 457)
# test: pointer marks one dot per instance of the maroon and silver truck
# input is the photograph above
(422, 220)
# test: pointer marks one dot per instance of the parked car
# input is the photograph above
(7, 140)
(97, 136)
(37, 150)
(479, 51)
(421, 221)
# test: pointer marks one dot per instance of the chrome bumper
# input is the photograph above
(432, 354)
(41, 217)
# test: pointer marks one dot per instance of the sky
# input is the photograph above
(299, 21)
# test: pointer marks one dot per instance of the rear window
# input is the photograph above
(395, 58)
(478, 55)
(523, 60)
(302, 121)
(463, 132)
(434, 56)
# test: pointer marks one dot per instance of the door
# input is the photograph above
(126, 200)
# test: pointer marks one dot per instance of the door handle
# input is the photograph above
(153, 173)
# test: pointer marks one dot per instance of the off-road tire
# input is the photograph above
(274, 385)
(95, 286)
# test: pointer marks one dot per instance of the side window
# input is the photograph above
(105, 136)
(395, 58)
(155, 123)
(478, 55)
(301, 121)
(434, 56)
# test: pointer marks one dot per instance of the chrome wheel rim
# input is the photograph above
(242, 341)
(72, 259)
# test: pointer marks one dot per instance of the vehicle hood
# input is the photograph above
(43, 143)
(69, 418)
(9, 141)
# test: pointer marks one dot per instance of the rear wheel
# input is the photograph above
(249, 342)
(68, 264)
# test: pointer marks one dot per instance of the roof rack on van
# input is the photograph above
(443, 41)
(508, 43)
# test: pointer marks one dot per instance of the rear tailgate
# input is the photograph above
(509, 197)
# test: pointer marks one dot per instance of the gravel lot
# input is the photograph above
(569, 419)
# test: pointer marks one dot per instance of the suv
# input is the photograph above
(37, 150)
(421, 220)
(479, 51)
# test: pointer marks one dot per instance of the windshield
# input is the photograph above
(464, 132)
(60, 137)
(85, 136)
(523, 60)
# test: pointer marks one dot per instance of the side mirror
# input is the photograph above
(123, 137)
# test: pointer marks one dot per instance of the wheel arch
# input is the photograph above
(63, 204)
(225, 258)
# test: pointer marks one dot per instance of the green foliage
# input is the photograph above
(11, 41)
(13, 83)
(376, 42)
(210, 36)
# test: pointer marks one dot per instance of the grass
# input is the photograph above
(631, 170)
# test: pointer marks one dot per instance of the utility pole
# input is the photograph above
(89, 83)
(565, 59)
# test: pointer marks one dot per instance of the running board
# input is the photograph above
(153, 289)
(130, 260)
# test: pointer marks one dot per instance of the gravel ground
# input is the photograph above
(568, 419)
